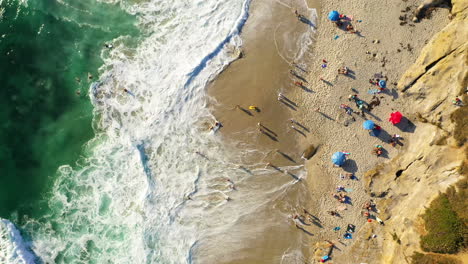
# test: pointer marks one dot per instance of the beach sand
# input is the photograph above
(382, 46)
(272, 39)
(392, 49)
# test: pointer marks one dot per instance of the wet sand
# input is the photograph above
(273, 39)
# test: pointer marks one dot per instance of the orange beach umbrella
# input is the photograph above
(395, 117)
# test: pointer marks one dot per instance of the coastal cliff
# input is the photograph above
(436, 156)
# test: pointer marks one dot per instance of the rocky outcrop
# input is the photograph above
(433, 159)
(452, 39)
(420, 12)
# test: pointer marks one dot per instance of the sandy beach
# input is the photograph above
(381, 47)
(385, 44)
(272, 41)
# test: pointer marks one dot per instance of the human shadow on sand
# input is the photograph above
(272, 137)
(327, 116)
(288, 105)
(307, 21)
(293, 176)
(327, 82)
(306, 89)
(244, 110)
(286, 156)
(304, 230)
(298, 131)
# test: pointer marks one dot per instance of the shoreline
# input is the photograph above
(270, 44)
(373, 51)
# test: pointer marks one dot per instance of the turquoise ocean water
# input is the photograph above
(48, 47)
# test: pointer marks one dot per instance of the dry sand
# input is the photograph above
(257, 78)
(393, 48)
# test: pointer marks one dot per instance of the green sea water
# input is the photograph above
(45, 46)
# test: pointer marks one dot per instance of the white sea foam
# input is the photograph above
(126, 202)
(13, 249)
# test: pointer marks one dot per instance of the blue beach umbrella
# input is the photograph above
(368, 124)
(334, 15)
(338, 158)
(382, 84)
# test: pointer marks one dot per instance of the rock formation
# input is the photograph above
(434, 159)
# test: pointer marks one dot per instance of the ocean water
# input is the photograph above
(116, 175)
(45, 45)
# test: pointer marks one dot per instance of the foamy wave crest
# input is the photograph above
(126, 202)
(13, 249)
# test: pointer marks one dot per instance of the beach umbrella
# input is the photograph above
(334, 15)
(368, 124)
(338, 158)
(382, 84)
(395, 117)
